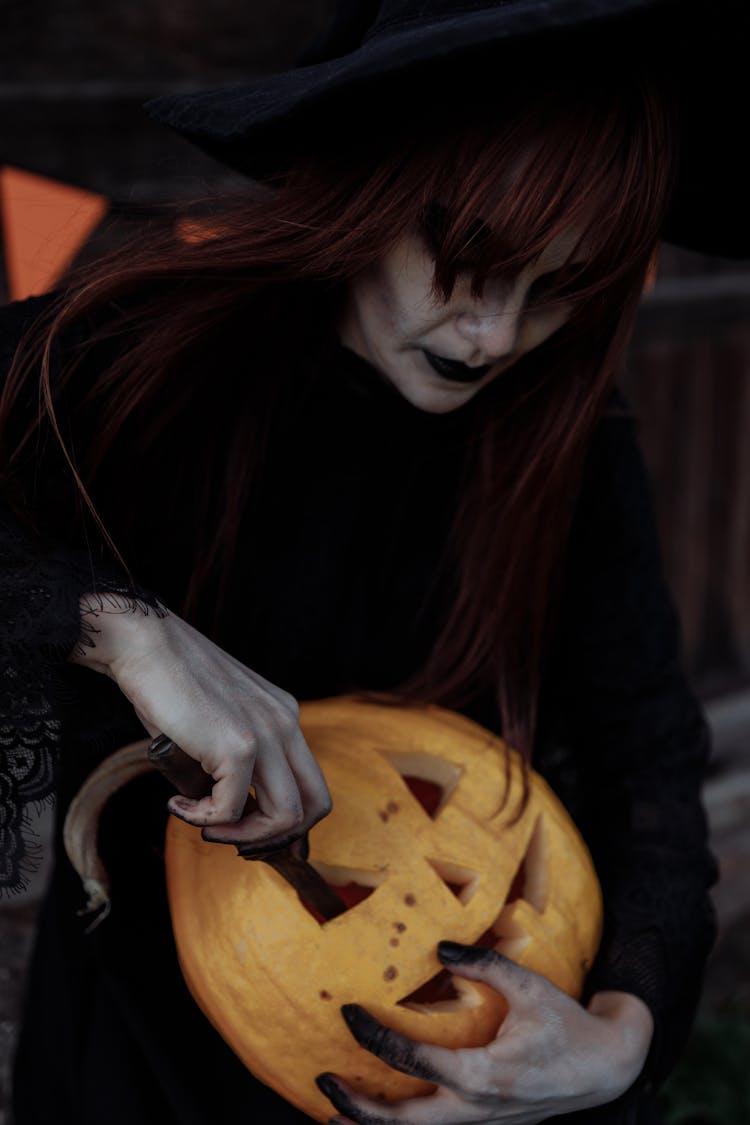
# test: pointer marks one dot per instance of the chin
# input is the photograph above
(424, 393)
(434, 403)
(434, 399)
(444, 405)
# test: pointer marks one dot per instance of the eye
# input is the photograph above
(557, 285)
(434, 226)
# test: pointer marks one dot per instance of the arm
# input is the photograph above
(618, 698)
(242, 729)
(42, 624)
(60, 605)
(615, 693)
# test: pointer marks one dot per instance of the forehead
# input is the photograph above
(571, 241)
(560, 248)
(511, 196)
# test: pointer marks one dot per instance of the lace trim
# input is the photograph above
(42, 625)
(113, 600)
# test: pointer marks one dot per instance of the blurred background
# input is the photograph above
(74, 76)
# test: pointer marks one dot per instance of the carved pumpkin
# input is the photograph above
(423, 846)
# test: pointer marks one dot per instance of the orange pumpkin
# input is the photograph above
(425, 843)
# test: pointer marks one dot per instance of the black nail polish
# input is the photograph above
(353, 1014)
(452, 953)
(364, 1027)
(326, 1084)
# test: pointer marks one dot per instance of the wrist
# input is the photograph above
(111, 626)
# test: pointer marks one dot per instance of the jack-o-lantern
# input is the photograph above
(424, 843)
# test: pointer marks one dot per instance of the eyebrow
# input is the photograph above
(435, 216)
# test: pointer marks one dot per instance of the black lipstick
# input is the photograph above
(454, 370)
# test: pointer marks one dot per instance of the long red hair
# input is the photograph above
(150, 315)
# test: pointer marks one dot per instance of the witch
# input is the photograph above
(359, 434)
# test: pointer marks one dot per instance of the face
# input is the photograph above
(439, 354)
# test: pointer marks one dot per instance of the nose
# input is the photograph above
(491, 326)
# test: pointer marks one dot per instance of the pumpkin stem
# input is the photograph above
(81, 828)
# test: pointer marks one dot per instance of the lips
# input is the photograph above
(454, 370)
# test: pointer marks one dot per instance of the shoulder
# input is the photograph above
(15, 320)
(26, 323)
(614, 533)
(22, 313)
(614, 464)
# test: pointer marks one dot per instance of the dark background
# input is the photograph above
(73, 75)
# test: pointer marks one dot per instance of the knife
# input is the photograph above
(188, 776)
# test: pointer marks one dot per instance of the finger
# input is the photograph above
(522, 988)
(310, 780)
(441, 1108)
(224, 805)
(421, 1060)
(277, 812)
(285, 830)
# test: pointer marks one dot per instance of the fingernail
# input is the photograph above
(326, 1084)
(181, 814)
(181, 803)
(451, 951)
(355, 1016)
(455, 954)
(364, 1027)
(249, 852)
(261, 849)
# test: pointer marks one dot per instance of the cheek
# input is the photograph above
(539, 326)
(406, 288)
(391, 302)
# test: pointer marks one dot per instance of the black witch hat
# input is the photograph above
(381, 61)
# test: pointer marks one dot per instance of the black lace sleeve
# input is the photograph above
(41, 625)
(639, 746)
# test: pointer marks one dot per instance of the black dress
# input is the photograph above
(332, 590)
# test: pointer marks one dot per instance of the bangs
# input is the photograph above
(596, 169)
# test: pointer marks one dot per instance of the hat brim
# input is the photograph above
(259, 128)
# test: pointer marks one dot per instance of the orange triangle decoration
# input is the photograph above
(45, 223)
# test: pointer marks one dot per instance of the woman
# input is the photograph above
(359, 435)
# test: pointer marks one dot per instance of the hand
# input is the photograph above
(241, 728)
(550, 1055)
